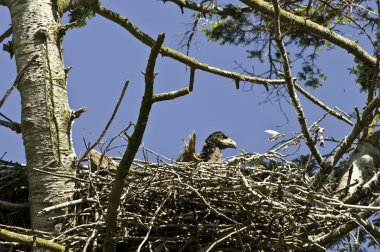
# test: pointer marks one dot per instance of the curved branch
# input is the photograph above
(165, 51)
(310, 26)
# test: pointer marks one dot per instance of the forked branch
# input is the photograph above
(165, 51)
(291, 88)
(134, 143)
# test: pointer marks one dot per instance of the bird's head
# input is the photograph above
(220, 140)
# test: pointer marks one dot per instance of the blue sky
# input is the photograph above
(104, 56)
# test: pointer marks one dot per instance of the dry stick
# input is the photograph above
(65, 205)
(107, 125)
(170, 95)
(32, 241)
(328, 239)
(317, 102)
(209, 248)
(93, 234)
(132, 148)
(16, 127)
(291, 89)
(19, 75)
(6, 34)
(165, 51)
(152, 220)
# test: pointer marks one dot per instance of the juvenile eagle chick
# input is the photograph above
(211, 151)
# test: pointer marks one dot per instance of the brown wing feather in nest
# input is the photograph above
(100, 161)
(189, 153)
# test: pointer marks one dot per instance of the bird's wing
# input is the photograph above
(101, 161)
(189, 153)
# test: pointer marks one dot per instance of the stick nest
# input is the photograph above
(245, 203)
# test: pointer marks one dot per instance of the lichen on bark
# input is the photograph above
(45, 109)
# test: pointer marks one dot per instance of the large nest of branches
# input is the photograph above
(245, 203)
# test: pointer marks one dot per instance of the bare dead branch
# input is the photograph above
(170, 95)
(66, 204)
(152, 221)
(104, 131)
(317, 102)
(19, 76)
(16, 127)
(6, 34)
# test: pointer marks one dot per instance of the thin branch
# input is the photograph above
(132, 148)
(312, 27)
(16, 127)
(6, 34)
(32, 241)
(107, 125)
(207, 8)
(170, 95)
(152, 221)
(291, 89)
(19, 76)
(317, 102)
(165, 51)
(225, 237)
(65, 205)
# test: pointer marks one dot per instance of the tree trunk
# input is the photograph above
(45, 122)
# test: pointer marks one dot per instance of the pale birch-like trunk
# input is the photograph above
(46, 114)
(361, 166)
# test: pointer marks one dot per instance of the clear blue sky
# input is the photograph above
(104, 56)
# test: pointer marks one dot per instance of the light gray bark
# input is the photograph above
(45, 121)
(361, 167)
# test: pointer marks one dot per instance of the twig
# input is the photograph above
(132, 148)
(170, 95)
(19, 75)
(16, 127)
(65, 205)
(317, 102)
(152, 221)
(32, 241)
(93, 235)
(6, 34)
(165, 51)
(291, 89)
(209, 248)
(107, 125)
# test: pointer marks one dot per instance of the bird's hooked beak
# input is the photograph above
(229, 143)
